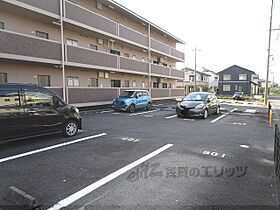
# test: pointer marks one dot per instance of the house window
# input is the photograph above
(126, 83)
(191, 78)
(2, 26)
(73, 81)
(143, 84)
(71, 42)
(227, 77)
(42, 35)
(134, 57)
(240, 88)
(115, 83)
(115, 52)
(99, 5)
(126, 55)
(216, 78)
(93, 82)
(3, 78)
(164, 85)
(133, 83)
(242, 76)
(236, 87)
(155, 85)
(44, 80)
(226, 88)
(93, 46)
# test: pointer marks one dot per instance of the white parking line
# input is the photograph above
(222, 116)
(106, 111)
(143, 112)
(50, 148)
(76, 196)
(172, 116)
(250, 110)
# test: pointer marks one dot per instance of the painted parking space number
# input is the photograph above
(130, 139)
(214, 154)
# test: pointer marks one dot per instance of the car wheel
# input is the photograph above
(70, 128)
(131, 108)
(218, 110)
(205, 114)
(149, 105)
(179, 116)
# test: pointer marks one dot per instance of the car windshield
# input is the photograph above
(195, 97)
(127, 94)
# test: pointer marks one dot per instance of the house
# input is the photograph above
(87, 51)
(213, 80)
(237, 79)
(201, 81)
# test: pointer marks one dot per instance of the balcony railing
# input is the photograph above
(52, 6)
(23, 45)
(81, 15)
(87, 17)
(156, 45)
(91, 57)
(134, 65)
(177, 73)
(160, 70)
(134, 36)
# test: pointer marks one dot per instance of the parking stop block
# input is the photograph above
(21, 199)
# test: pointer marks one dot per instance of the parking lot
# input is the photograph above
(148, 160)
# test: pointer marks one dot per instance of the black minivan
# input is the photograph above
(28, 110)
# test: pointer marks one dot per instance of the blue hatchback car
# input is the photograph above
(130, 100)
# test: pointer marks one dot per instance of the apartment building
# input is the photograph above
(86, 50)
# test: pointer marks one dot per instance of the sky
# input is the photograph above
(225, 32)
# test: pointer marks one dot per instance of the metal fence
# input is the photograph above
(277, 151)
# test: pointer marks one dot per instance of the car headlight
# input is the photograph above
(127, 101)
(199, 106)
(77, 110)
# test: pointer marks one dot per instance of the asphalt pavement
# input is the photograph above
(148, 160)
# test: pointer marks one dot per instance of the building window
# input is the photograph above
(227, 77)
(191, 78)
(240, 88)
(134, 57)
(164, 85)
(155, 85)
(216, 78)
(102, 74)
(99, 5)
(126, 83)
(93, 82)
(115, 52)
(126, 55)
(143, 84)
(133, 83)
(44, 80)
(115, 83)
(236, 87)
(2, 26)
(71, 42)
(3, 78)
(93, 47)
(73, 81)
(242, 76)
(226, 88)
(42, 35)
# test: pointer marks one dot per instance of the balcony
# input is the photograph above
(52, 6)
(177, 54)
(87, 17)
(134, 36)
(177, 73)
(91, 57)
(160, 70)
(158, 46)
(134, 65)
(24, 47)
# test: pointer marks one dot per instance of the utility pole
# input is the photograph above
(195, 69)
(268, 55)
